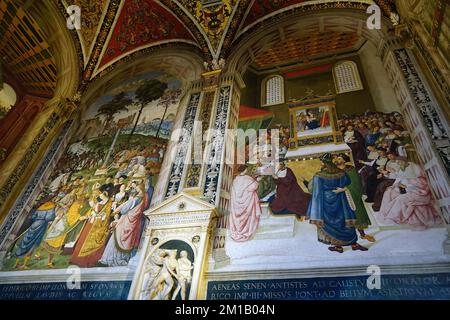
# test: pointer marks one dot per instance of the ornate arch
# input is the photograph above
(182, 62)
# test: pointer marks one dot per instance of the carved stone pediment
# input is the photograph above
(181, 210)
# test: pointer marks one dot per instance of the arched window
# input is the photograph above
(272, 90)
(346, 77)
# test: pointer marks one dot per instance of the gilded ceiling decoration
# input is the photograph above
(265, 9)
(25, 51)
(213, 17)
(311, 46)
(213, 26)
(261, 8)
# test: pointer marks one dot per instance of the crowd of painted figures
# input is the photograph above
(384, 176)
(90, 213)
(391, 177)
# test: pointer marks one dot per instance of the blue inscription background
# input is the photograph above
(90, 290)
(393, 287)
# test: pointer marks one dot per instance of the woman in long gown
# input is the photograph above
(126, 230)
(91, 243)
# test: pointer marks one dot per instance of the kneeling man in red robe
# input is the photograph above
(289, 198)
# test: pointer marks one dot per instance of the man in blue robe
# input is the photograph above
(330, 208)
(34, 235)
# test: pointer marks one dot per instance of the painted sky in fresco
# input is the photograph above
(151, 111)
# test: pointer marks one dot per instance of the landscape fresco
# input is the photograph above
(90, 212)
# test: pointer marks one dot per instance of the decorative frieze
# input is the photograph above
(171, 220)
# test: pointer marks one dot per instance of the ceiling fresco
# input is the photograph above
(115, 29)
(261, 8)
(92, 18)
(212, 16)
(143, 23)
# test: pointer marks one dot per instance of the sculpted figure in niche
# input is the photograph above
(184, 270)
(166, 276)
(163, 283)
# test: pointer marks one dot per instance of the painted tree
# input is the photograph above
(170, 97)
(118, 104)
(148, 91)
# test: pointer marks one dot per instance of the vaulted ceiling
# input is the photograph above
(113, 31)
(125, 27)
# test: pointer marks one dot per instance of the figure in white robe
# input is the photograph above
(244, 207)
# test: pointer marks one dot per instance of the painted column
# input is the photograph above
(219, 155)
(425, 120)
(180, 157)
(201, 163)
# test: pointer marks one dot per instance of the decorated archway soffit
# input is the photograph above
(114, 29)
